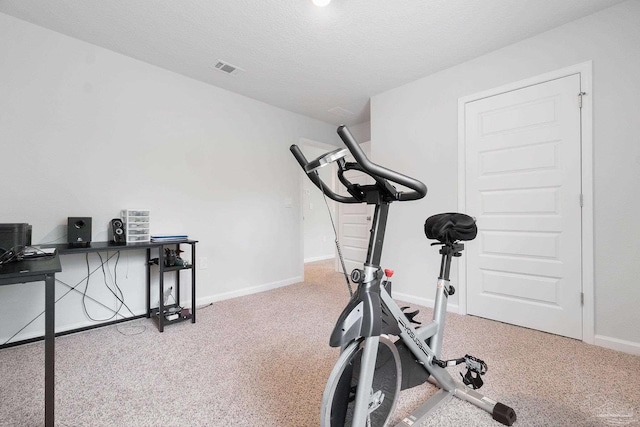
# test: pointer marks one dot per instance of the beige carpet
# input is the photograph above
(263, 360)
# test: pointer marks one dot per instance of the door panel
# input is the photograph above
(523, 185)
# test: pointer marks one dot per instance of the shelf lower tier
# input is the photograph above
(181, 315)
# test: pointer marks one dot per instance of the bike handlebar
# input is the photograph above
(315, 178)
(379, 173)
(419, 189)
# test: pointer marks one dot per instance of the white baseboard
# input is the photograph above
(618, 344)
(248, 291)
(425, 302)
(600, 340)
(199, 303)
(70, 327)
(319, 258)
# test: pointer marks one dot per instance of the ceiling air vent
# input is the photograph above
(227, 68)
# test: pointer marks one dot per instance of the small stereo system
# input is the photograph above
(79, 231)
(116, 232)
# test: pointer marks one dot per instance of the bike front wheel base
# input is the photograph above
(338, 401)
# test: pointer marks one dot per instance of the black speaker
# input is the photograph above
(79, 231)
(116, 232)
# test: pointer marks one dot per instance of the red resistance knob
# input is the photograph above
(388, 272)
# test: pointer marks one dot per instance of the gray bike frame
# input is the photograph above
(363, 317)
(415, 340)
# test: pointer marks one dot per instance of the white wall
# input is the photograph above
(319, 237)
(414, 128)
(361, 132)
(86, 132)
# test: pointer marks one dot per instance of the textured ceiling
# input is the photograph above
(297, 56)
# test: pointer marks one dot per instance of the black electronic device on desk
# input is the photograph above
(14, 238)
(117, 234)
(79, 231)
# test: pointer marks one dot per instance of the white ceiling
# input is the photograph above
(300, 57)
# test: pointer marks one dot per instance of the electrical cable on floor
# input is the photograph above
(136, 329)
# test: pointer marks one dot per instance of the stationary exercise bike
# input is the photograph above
(364, 386)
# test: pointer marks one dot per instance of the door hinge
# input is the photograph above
(582, 200)
(580, 95)
(581, 298)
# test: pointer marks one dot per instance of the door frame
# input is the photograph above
(585, 70)
(305, 142)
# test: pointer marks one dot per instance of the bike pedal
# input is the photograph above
(472, 378)
(476, 365)
(475, 369)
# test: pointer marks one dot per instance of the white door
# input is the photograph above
(354, 221)
(523, 184)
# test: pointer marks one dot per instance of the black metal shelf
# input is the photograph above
(161, 319)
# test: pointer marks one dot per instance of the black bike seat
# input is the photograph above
(450, 227)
